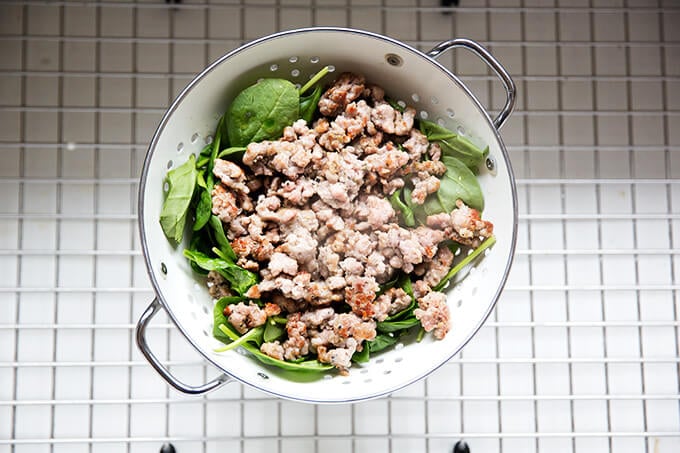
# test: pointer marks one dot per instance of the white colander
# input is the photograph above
(406, 74)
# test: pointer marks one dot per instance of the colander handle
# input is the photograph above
(140, 335)
(490, 60)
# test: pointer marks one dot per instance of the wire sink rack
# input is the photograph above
(581, 353)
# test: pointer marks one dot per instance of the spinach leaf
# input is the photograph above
(200, 242)
(488, 242)
(307, 365)
(261, 111)
(220, 320)
(228, 300)
(363, 355)
(405, 284)
(460, 182)
(399, 205)
(457, 183)
(204, 204)
(387, 285)
(464, 150)
(273, 331)
(380, 342)
(454, 145)
(181, 182)
(231, 151)
(434, 132)
(221, 238)
(254, 335)
(396, 105)
(309, 104)
(239, 279)
(394, 326)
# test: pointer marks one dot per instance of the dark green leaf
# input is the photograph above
(380, 342)
(395, 105)
(454, 145)
(181, 182)
(231, 151)
(203, 208)
(261, 111)
(220, 319)
(460, 182)
(399, 205)
(434, 132)
(405, 284)
(387, 285)
(273, 331)
(309, 104)
(463, 149)
(307, 365)
(221, 238)
(363, 355)
(240, 280)
(457, 183)
(393, 326)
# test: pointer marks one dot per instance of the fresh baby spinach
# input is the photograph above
(254, 335)
(262, 111)
(488, 242)
(221, 238)
(181, 182)
(306, 365)
(457, 183)
(454, 145)
(309, 104)
(395, 326)
(273, 331)
(239, 279)
(399, 205)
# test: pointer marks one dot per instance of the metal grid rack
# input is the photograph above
(581, 353)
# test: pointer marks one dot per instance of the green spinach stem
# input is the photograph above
(488, 242)
(318, 76)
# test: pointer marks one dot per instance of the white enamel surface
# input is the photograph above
(195, 115)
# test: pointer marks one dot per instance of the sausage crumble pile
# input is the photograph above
(309, 213)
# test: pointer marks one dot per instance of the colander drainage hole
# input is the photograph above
(262, 375)
(415, 97)
(293, 59)
(450, 113)
(169, 164)
(491, 165)
(424, 115)
(364, 371)
(460, 130)
(295, 72)
(394, 59)
(331, 68)
(398, 359)
(314, 60)
(195, 137)
(274, 67)
(180, 147)
(164, 269)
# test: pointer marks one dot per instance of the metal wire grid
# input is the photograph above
(582, 351)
